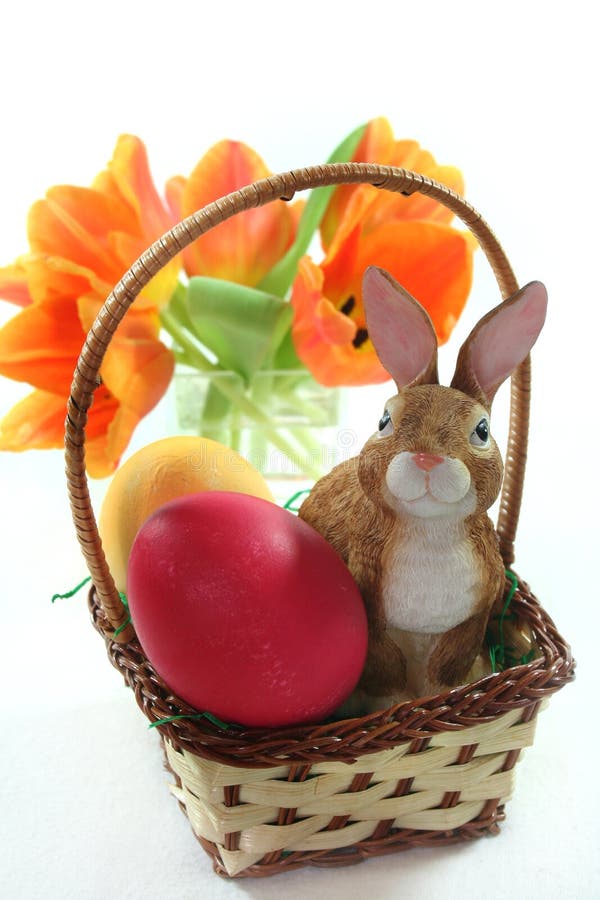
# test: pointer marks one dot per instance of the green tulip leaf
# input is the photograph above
(242, 326)
(178, 307)
(279, 280)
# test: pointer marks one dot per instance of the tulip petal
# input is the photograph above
(339, 267)
(323, 336)
(40, 345)
(130, 169)
(375, 146)
(102, 413)
(174, 190)
(377, 142)
(13, 285)
(137, 373)
(373, 207)
(50, 279)
(244, 248)
(73, 223)
(52, 276)
(355, 217)
(387, 206)
(128, 181)
(159, 289)
(102, 230)
(37, 421)
(332, 325)
(138, 324)
(433, 262)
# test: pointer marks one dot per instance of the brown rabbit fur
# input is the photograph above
(409, 513)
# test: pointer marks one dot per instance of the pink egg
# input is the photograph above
(245, 611)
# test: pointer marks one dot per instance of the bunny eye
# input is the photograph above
(480, 436)
(386, 426)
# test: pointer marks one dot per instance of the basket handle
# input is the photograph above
(85, 379)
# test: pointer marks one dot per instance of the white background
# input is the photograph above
(508, 92)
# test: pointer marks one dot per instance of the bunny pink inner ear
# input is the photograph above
(502, 340)
(400, 329)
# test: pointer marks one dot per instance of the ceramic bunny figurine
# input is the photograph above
(409, 513)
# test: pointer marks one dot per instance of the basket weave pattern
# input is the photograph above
(434, 785)
(262, 801)
(422, 773)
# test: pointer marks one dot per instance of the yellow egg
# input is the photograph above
(162, 471)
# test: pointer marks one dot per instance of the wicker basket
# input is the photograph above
(431, 772)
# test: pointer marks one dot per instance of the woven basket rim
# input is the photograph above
(346, 740)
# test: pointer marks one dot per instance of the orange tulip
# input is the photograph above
(408, 236)
(82, 240)
(244, 248)
(372, 206)
(432, 261)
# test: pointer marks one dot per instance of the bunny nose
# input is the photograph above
(427, 461)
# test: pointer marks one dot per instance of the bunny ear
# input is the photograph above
(500, 342)
(400, 329)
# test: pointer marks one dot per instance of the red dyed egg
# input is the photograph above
(245, 611)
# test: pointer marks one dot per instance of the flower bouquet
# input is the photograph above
(257, 319)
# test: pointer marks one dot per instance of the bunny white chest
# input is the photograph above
(430, 576)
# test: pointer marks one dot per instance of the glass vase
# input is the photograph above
(286, 424)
